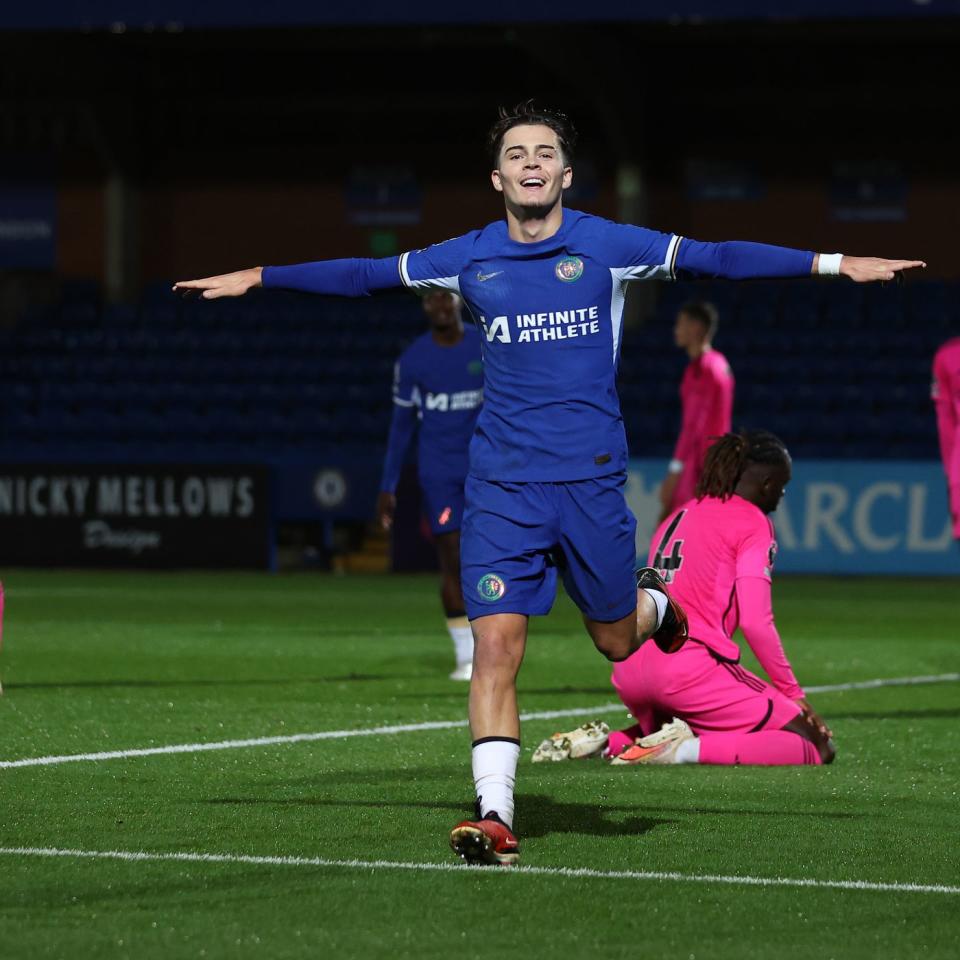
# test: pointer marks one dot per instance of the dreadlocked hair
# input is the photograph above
(731, 454)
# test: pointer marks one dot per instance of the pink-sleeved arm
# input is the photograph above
(756, 622)
(947, 425)
(755, 606)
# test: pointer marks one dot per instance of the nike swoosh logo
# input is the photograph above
(488, 276)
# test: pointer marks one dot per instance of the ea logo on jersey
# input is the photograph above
(569, 269)
(491, 587)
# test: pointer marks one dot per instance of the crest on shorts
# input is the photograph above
(491, 587)
(569, 269)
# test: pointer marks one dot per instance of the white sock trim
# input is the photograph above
(660, 599)
(688, 751)
(494, 775)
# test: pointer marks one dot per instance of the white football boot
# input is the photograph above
(659, 747)
(586, 741)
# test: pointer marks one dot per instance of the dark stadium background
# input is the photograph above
(142, 145)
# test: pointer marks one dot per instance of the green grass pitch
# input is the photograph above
(111, 661)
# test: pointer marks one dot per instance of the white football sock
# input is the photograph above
(660, 599)
(462, 637)
(688, 751)
(494, 774)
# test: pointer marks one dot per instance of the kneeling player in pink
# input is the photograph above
(716, 552)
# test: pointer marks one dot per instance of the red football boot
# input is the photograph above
(673, 629)
(485, 840)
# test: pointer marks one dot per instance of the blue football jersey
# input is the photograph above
(550, 316)
(445, 386)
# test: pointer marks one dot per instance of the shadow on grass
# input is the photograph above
(537, 815)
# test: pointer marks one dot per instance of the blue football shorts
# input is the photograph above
(442, 501)
(517, 536)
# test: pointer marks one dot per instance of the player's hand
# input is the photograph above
(386, 507)
(868, 269)
(813, 718)
(225, 285)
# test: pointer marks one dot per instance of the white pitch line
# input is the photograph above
(406, 727)
(887, 682)
(137, 856)
(292, 738)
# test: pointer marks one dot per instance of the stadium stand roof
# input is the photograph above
(121, 15)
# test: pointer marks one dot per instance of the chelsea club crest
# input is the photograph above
(569, 269)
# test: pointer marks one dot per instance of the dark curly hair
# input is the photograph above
(528, 113)
(731, 454)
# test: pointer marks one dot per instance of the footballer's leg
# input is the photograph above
(451, 596)
(507, 577)
(443, 498)
(500, 640)
(621, 609)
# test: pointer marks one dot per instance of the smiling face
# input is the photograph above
(532, 172)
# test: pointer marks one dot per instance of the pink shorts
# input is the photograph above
(710, 694)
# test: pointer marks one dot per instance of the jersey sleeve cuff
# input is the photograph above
(670, 263)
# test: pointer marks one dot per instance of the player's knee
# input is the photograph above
(497, 652)
(615, 649)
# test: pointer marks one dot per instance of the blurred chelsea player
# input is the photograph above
(548, 458)
(438, 380)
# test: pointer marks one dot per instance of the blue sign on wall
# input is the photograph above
(340, 484)
(883, 516)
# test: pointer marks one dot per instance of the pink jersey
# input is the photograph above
(946, 397)
(717, 556)
(706, 401)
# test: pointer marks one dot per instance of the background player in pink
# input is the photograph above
(717, 553)
(706, 401)
(946, 398)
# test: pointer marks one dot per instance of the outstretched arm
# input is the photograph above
(755, 604)
(402, 425)
(743, 260)
(354, 277)
(435, 267)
